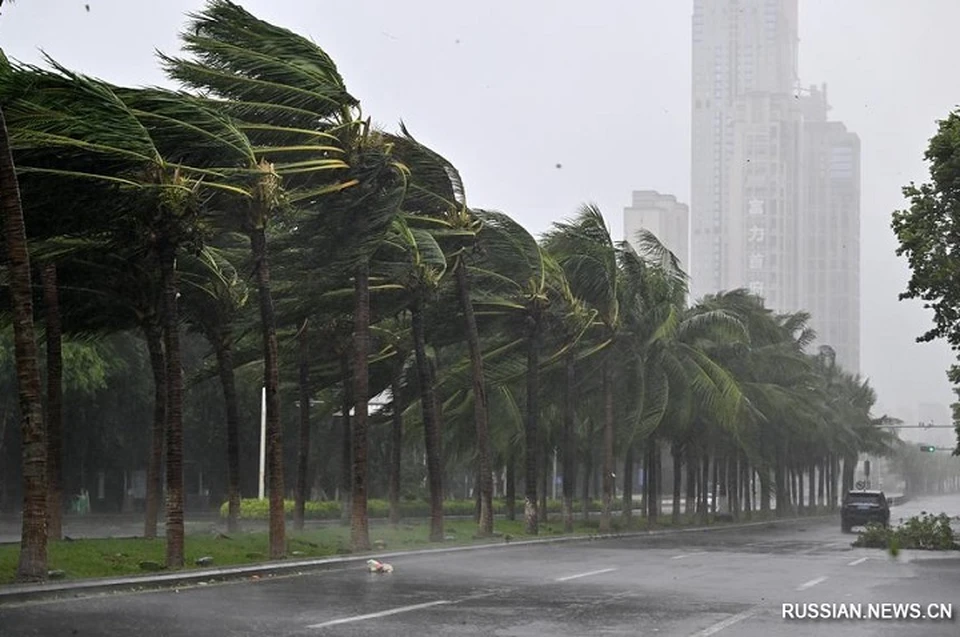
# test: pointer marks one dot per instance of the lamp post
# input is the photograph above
(263, 440)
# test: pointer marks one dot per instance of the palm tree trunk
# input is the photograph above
(431, 424)
(656, 486)
(271, 375)
(346, 440)
(692, 473)
(303, 450)
(511, 486)
(605, 519)
(587, 472)
(51, 302)
(798, 475)
(747, 492)
(396, 443)
(716, 484)
(569, 444)
(228, 382)
(544, 484)
(171, 339)
(765, 487)
(532, 440)
(359, 531)
(821, 483)
(702, 509)
(628, 487)
(158, 363)
(677, 454)
(733, 480)
(33, 535)
(485, 473)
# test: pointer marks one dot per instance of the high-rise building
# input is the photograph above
(744, 68)
(829, 223)
(774, 184)
(662, 215)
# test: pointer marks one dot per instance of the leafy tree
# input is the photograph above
(929, 236)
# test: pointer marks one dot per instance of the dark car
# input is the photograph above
(862, 507)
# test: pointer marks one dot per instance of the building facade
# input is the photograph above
(774, 184)
(742, 50)
(829, 245)
(665, 217)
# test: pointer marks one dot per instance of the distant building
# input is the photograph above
(775, 185)
(665, 217)
(744, 72)
(829, 229)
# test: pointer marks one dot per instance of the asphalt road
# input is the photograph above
(728, 582)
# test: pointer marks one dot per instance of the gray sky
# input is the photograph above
(508, 89)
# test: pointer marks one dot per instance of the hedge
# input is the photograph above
(253, 509)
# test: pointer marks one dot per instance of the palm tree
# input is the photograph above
(418, 271)
(585, 250)
(54, 415)
(33, 543)
(436, 189)
(158, 149)
(214, 296)
(524, 289)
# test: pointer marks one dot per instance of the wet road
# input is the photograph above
(730, 582)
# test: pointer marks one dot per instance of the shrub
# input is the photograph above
(925, 532)
(253, 509)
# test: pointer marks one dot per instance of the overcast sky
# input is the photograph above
(508, 89)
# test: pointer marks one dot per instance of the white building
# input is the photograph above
(775, 185)
(662, 215)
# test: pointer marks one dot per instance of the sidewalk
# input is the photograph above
(18, 593)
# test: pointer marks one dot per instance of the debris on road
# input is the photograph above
(376, 566)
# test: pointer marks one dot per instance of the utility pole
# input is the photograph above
(263, 440)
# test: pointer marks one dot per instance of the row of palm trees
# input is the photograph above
(150, 210)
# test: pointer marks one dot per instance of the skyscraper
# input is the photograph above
(829, 246)
(774, 185)
(744, 72)
(662, 215)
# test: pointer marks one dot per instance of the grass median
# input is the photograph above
(116, 557)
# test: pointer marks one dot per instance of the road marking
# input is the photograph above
(727, 623)
(579, 575)
(811, 583)
(685, 555)
(383, 613)
(860, 561)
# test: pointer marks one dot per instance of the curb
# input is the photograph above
(16, 593)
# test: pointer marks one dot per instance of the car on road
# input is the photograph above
(860, 507)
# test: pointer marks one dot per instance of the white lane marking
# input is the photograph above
(685, 555)
(383, 613)
(579, 575)
(727, 623)
(811, 583)
(860, 561)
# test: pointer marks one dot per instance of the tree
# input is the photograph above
(586, 252)
(436, 189)
(929, 236)
(33, 542)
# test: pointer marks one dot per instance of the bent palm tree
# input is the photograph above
(33, 542)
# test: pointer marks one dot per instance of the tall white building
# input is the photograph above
(829, 246)
(662, 215)
(744, 66)
(775, 198)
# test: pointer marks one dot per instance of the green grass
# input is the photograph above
(81, 559)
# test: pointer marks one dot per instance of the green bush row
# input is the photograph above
(253, 509)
